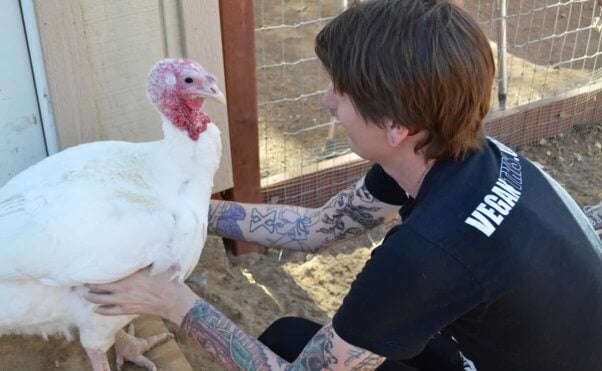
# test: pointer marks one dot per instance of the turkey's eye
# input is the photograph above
(188, 80)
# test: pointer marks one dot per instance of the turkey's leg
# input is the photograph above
(130, 348)
(98, 359)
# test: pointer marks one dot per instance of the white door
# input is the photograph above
(21, 133)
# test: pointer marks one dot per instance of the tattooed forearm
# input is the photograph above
(360, 359)
(235, 350)
(349, 215)
(268, 225)
(286, 226)
(369, 363)
(317, 354)
(230, 346)
(321, 354)
(224, 218)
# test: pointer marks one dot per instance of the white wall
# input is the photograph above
(21, 134)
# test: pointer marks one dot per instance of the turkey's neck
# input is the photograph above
(183, 152)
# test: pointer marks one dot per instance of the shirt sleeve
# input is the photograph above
(408, 291)
(383, 187)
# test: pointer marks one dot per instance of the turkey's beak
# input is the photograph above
(213, 92)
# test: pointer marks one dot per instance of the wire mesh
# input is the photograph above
(549, 76)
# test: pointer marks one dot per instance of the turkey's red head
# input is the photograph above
(178, 88)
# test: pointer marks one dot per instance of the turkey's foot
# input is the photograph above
(98, 359)
(130, 348)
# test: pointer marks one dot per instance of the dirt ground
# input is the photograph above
(255, 289)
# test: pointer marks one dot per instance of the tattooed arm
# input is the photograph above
(350, 213)
(235, 350)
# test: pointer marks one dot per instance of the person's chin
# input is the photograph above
(358, 153)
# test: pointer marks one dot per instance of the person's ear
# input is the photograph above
(396, 134)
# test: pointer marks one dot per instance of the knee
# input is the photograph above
(284, 327)
(288, 336)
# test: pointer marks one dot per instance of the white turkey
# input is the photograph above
(100, 211)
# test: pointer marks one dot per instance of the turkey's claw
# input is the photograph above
(130, 348)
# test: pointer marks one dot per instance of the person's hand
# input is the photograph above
(142, 293)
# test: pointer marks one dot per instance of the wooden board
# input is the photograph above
(238, 34)
(166, 356)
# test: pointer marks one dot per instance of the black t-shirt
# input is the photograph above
(493, 253)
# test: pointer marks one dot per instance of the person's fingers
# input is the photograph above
(111, 310)
(103, 287)
(99, 298)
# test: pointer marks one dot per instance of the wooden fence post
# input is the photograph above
(238, 41)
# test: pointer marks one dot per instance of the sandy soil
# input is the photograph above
(253, 290)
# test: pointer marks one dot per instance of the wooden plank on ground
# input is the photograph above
(166, 356)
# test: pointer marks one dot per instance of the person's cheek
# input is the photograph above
(329, 100)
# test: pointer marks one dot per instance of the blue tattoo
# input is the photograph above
(317, 354)
(293, 225)
(343, 207)
(288, 225)
(226, 222)
(267, 221)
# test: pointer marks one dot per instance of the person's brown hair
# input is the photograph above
(423, 64)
